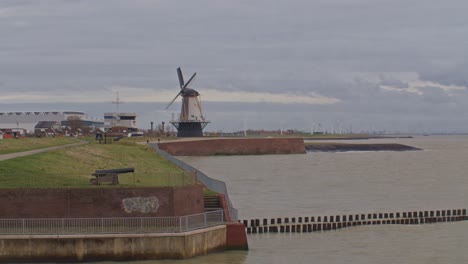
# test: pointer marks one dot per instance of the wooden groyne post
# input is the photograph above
(307, 224)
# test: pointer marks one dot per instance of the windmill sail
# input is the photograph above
(191, 121)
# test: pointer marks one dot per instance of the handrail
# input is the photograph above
(210, 183)
(114, 225)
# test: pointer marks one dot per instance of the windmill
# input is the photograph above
(191, 121)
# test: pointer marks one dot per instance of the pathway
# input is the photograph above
(35, 151)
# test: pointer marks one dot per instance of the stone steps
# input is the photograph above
(212, 203)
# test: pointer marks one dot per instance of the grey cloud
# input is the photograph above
(454, 74)
(435, 95)
(392, 81)
(296, 47)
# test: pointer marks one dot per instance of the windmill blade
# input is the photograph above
(191, 78)
(181, 78)
(174, 99)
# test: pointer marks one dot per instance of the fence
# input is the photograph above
(128, 225)
(58, 180)
(212, 184)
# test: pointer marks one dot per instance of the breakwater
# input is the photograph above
(307, 224)
(356, 137)
(341, 147)
(235, 146)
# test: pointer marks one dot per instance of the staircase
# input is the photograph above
(212, 203)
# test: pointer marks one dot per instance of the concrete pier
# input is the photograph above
(111, 247)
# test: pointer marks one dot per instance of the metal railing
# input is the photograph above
(210, 183)
(124, 225)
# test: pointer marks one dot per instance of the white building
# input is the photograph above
(127, 120)
(28, 120)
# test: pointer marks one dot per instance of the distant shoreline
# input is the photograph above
(262, 146)
(355, 138)
(343, 147)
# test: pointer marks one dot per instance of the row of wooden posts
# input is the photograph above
(323, 223)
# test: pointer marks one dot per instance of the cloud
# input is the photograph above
(454, 74)
(7, 12)
(421, 87)
(435, 95)
(390, 81)
(131, 94)
(351, 60)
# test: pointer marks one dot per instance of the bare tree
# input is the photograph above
(77, 125)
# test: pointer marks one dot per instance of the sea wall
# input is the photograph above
(115, 247)
(236, 237)
(236, 146)
(101, 202)
(339, 147)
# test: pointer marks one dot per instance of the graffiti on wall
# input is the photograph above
(141, 204)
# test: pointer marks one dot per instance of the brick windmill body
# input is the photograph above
(191, 121)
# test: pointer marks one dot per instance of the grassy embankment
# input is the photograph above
(72, 167)
(12, 145)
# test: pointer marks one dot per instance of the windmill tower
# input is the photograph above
(191, 121)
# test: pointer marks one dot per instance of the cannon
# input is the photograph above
(109, 176)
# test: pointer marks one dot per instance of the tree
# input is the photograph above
(77, 125)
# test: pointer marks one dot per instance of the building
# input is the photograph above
(13, 132)
(121, 120)
(47, 129)
(29, 120)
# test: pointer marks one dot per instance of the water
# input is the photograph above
(338, 183)
(356, 182)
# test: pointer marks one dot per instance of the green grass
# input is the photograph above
(11, 145)
(72, 167)
(208, 192)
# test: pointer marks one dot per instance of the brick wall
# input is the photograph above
(241, 146)
(100, 202)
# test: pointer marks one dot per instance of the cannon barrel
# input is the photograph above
(122, 170)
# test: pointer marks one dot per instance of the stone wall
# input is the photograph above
(115, 247)
(235, 146)
(101, 202)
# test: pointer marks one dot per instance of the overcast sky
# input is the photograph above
(397, 65)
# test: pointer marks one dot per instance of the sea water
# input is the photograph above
(316, 184)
